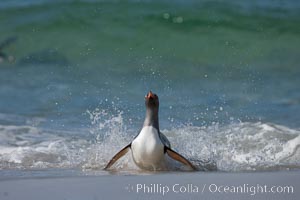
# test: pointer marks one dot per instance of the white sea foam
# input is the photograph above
(233, 147)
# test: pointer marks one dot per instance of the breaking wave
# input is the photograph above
(241, 146)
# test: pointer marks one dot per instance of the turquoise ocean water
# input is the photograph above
(73, 75)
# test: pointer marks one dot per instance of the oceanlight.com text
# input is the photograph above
(250, 189)
(247, 189)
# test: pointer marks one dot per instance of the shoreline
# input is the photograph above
(199, 185)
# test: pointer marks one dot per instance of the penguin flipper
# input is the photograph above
(176, 156)
(116, 157)
(165, 140)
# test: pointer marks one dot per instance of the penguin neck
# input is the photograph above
(151, 118)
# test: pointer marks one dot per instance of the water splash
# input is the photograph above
(233, 147)
(110, 135)
(241, 146)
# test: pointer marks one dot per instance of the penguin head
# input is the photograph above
(151, 100)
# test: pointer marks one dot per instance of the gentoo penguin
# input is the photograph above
(150, 146)
(4, 44)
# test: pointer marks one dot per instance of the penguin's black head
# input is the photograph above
(151, 100)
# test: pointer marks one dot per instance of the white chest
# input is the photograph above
(148, 150)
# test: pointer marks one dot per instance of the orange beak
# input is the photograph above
(150, 95)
